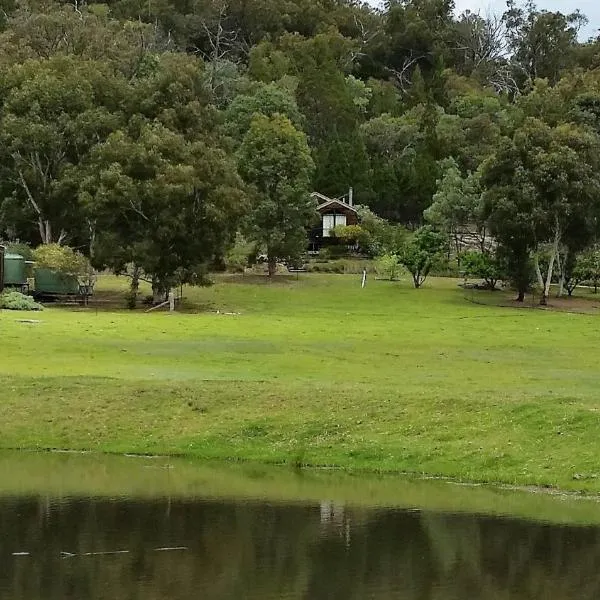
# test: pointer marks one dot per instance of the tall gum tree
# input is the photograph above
(275, 160)
(539, 184)
(162, 203)
(52, 112)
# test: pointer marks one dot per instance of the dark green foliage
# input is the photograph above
(274, 158)
(265, 99)
(586, 268)
(105, 108)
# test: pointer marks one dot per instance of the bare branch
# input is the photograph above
(28, 193)
(402, 75)
(139, 211)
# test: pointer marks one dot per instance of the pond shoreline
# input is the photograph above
(308, 470)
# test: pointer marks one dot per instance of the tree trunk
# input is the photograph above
(159, 292)
(521, 296)
(538, 272)
(546, 289)
(134, 286)
(272, 265)
(457, 248)
(482, 239)
(561, 264)
(540, 280)
(45, 228)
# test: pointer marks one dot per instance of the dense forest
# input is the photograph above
(151, 135)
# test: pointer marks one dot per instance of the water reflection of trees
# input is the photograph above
(257, 550)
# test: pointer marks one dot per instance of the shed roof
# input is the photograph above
(336, 203)
(325, 202)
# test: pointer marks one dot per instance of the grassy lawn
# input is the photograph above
(315, 371)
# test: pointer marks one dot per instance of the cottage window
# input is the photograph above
(331, 221)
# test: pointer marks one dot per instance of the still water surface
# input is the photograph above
(117, 542)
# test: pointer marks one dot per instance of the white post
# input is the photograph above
(364, 278)
(171, 301)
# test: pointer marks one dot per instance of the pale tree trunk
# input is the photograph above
(456, 247)
(560, 265)
(272, 265)
(538, 272)
(46, 233)
(553, 255)
(44, 225)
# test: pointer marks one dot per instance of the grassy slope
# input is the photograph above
(316, 371)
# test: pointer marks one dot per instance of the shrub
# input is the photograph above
(352, 234)
(66, 262)
(61, 259)
(19, 248)
(18, 301)
(484, 265)
(238, 257)
(335, 252)
(333, 266)
(379, 236)
(346, 266)
(388, 266)
(587, 267)
(422, 252)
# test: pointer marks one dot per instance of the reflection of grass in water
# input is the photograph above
(74, 475)
(316, 371)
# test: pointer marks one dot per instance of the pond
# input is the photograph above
(89, 527)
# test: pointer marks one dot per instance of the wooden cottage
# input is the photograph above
(333, 212)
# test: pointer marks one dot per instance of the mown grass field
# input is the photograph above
(315, 371)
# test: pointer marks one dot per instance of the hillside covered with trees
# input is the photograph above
(149, 135)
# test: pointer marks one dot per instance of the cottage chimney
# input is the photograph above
(350, 197)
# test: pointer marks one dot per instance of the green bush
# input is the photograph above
(388, 266)
(18, 301)
(66, 262)
(19, 248)
(61, 259)
(486, 266)
(238, 257)
(333, 252)
(422, 252)
(346, 266)
(445, 267)
(332, 266)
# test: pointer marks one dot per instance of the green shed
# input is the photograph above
(51, 283)
(15, 273)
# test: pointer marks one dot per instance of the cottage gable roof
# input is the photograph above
(325, 202)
